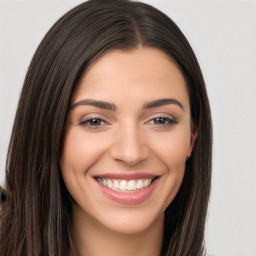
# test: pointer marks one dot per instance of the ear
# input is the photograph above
(192, 142)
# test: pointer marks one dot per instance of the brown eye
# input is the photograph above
(93, 122)
(163, 121)
(160, 120)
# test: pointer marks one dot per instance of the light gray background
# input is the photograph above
(223, 36)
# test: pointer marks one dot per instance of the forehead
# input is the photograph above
(140, 74)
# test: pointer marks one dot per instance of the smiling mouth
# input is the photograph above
(126, 186)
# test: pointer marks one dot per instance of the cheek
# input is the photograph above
(79, 151)
(174, 156)
(172, 148)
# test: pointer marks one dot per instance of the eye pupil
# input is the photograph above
(160, 120)
(95, 121)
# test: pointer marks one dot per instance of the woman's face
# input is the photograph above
(127, 138)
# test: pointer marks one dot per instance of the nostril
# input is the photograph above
(131, 153)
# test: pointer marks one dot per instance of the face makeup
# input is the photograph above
(127, 138)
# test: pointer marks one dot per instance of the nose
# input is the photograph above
(129, 146)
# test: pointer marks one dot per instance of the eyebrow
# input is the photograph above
(162, 102)
(95, 103)
(110, 106)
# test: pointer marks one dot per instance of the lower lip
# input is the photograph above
(130, 198)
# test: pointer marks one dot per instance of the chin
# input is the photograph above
(132, 223)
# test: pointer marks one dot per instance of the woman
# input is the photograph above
(110, 152)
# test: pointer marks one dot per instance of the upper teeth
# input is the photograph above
(125, 185)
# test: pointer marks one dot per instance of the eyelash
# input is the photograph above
(93, 126)
(160, 121)
(164, 121)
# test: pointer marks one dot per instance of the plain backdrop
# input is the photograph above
(223, 36)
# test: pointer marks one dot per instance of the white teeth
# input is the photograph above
(131, 185)
(146, 183)
(139, 184)
(109, 183)
(124, 185)
(116, 184)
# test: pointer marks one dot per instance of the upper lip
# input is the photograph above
(127, 175)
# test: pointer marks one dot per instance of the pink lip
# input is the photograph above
(127, 176)
(131, 198)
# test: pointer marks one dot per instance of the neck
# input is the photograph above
(91, 238)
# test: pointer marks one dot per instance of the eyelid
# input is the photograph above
(171, 120)
(90, 119)
(83, 122)
(93, 115)
(161, 114)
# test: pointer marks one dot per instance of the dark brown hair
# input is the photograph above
(36, 215)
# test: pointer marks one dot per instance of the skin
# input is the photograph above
(129, 139)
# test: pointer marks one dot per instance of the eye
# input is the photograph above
(162, 121)
(93, 123)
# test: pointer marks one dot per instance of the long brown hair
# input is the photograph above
(36, 215)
